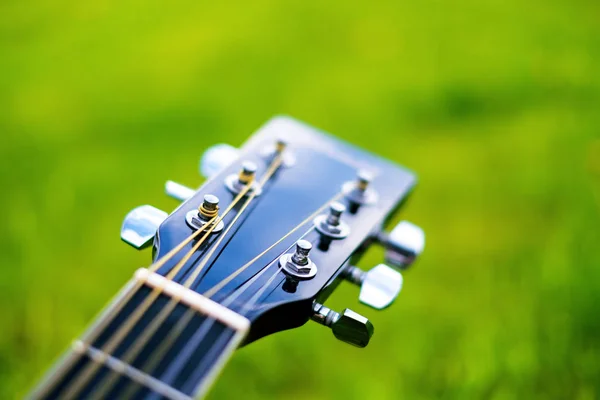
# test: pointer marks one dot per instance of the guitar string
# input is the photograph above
(75, 386)
(247, 306)
(205, 326)
(157, 355)
(241, 269)
(157, 321)
(272, 168)
(211, 292)
(211, 223)
(254, 299)
(138, 345)
(107, 318)
(201, 332)
(140, 311)
(188, 315)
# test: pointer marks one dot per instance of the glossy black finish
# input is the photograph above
(323, 165)
(262, 293)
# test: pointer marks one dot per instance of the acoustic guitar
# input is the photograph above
(257, 249)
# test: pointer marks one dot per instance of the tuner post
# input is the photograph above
(209, 207)
(235, 183)
(247, 173)
(298, 265)
(363, 180)
(360, 191)
(331, 225)
(300, 257)
(279, 147)
(200, 218)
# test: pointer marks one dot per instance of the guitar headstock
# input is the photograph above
(296, 209)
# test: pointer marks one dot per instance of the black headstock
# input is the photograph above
(315, 169)
(255, 250)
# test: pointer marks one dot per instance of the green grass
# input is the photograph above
(494, 104)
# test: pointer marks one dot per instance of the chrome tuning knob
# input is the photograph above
(178, 191)
(141, 224)
(216, 158)
(403, 244)
(379, 286)
(346, 326)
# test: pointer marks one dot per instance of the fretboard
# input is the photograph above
(174, 349)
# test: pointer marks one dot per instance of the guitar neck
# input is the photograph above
(187, 341)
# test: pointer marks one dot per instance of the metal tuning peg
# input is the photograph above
(403, 244)
(347, 326)
(216, 158)
(140, 225)
(379, 286)
(178, 191)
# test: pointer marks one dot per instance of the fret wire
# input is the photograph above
(159, 353)
(157, 321)
(170, 254)
(108, 315)
(124, 330)
(206, 325)
(123, 368)
(165, 345)
(92, 334)
(133, 352)
(276, 163)
(75, 386)
(182, 323)
(139, 312)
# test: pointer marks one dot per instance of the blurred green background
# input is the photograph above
(495, 104)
